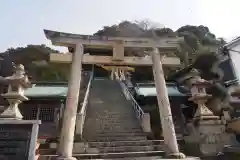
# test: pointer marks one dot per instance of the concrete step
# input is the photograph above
(106, 117)
(131, 155)
(115, 128)
(127, 122)
(120, 155)
(120, 149)
(122, 138)
(132, 132)
(116, 134)
(102, 114)
(125, 143)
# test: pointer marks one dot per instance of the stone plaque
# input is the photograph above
(18, 139)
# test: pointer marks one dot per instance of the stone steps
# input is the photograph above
(124, 155)
(125, 143)
(114, 120)
(119, 149)
(116, 129)
(114, 138)
(111, 129)
(127, 146)
(107, 134)
(120, 155)
(110, 116)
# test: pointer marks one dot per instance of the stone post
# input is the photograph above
(69, 118)
(164, 107)
(18, 83)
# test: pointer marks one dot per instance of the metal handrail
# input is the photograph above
(85, 103)
(138, 110)
(86, 97)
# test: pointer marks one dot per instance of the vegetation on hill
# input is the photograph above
(198, 40)
(35, 59)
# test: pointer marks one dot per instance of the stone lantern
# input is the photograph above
(198, 87)
(17, 84)
(207, 132)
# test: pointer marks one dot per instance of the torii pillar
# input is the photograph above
(169, 134)
(69, 118)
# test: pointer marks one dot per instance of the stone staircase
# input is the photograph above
(111, 128)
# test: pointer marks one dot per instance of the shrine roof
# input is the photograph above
(59, 90)
(148, 90)
(233, 43)
(38, 91)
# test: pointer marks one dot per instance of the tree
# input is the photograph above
(28, 56)
(147, 24)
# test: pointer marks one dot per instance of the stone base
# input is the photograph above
(28, 128)
(66, 158)
(208, 138)
(203, 113)
(11, 113)
(176, 156)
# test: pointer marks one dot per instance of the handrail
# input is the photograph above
(138, 110)
(144, 118)
(82, 114)
(85, 100)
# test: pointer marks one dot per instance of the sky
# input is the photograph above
(22, 21)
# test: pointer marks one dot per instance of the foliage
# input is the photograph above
(29, 56)
(196, 37)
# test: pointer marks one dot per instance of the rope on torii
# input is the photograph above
(117, 72)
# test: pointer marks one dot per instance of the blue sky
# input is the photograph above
(22, 21)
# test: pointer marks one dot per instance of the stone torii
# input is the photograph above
(118, 44)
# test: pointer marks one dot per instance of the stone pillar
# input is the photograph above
(18, 83)
(69, 118)
(164, 107)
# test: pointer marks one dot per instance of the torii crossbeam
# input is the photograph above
(118, 46)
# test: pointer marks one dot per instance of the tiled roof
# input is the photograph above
(46, 91)
(233, 43)
(151, 91)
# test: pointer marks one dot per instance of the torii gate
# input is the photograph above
(118, 44)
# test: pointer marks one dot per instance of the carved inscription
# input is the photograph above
(15, 141)
(213, 138)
